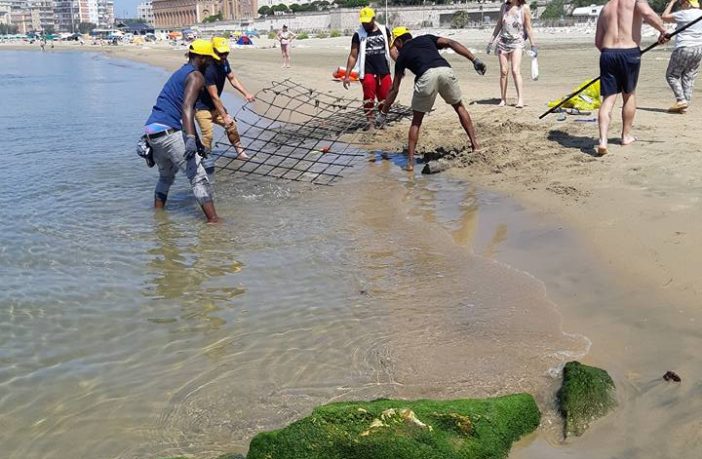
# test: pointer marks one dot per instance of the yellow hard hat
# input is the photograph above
(220, 44)
(203, 48)
(398, 32)
(367, 15)
(694, 3)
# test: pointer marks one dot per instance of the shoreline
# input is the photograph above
(635, 208)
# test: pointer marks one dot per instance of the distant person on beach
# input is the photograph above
(685, 60)
(285, 37)
(509, 38)
(433, 75)
(42, 43)
(170, 130)
(370, 45)
(209, 106)
(618, 38)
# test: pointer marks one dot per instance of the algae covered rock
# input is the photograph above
(587, 393)
(400, 429)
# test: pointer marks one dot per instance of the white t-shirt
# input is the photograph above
(692, 36)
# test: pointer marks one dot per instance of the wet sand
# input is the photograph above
(631, 286)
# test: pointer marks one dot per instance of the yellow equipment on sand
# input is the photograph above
(585, 101)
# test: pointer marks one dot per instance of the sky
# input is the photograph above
(126, 5)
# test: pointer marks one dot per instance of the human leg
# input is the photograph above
(604, 118)
(691, 71)
(504, 76)
(233, 136)
(413, 136)
(628, 113)
(368, 85)
(467, 124)
(673, 74)
(204, 120)
(515, 66)
(383, 86)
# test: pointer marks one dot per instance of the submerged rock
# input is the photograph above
(399, 429)
(587, 393)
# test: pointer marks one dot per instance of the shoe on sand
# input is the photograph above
(678, 107)
(601, 151)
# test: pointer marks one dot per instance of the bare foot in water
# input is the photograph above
(628, 140)
(242, 155)
(409, 167)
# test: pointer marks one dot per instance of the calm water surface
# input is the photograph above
(126, 333)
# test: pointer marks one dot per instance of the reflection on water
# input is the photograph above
(130, 333)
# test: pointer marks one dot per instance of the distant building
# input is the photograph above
(70, 13)
(145, 11)
(587, 13)
(5, 12)
(175, 14)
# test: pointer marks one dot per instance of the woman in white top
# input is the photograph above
(285, 37)
(512, 28)
(685, 61)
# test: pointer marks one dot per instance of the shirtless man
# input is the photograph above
(618, 38)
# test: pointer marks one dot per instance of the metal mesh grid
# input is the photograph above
(299, 133)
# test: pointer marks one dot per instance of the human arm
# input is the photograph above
(667, 15)
(442, 42)
(193, 85)
(392, 95)
(236, 84)
(350, 63)
(599, 34)
(651, 18)
(527, 26)
(217, 102)
(498, 26)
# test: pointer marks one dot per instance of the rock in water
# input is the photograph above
(587, 393)
(400, 429)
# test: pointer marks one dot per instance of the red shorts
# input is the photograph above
(375, 86)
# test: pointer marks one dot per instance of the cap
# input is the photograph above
(203, 48)
(694, 3)
(220, 44)
(367, 15)
(398, 32)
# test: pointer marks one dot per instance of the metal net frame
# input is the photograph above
(299, 133)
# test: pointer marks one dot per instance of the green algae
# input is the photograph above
(587, 393)
(399, 429)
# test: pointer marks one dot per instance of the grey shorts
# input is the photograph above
(438, 80)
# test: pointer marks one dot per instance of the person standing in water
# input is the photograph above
(170, 130)
(513, 26)
(618, 38)
(209, 106)
(285, 37)
(684, 64)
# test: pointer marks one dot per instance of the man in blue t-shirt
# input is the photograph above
(433, 75)
(210, 108)
(170, 130)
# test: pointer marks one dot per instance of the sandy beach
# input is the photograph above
(634, 212)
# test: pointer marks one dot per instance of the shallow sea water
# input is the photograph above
(128, 333)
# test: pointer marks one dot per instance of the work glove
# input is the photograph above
(479, 66)
(380, 120)
(190, 146)
(488, 49)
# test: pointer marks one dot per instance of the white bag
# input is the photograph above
(534, 65)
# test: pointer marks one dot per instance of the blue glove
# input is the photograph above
(190, 146)
(479, 66)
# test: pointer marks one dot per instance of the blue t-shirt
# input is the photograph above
(169, 104)
(215, 75)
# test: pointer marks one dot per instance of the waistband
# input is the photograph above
(161, 134)
(622, 50)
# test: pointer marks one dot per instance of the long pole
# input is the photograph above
(647, 49)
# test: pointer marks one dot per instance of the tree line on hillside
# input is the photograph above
(557, 8)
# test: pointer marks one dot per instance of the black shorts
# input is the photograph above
(619, 70)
